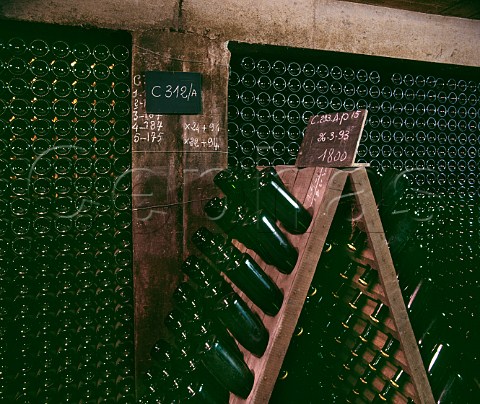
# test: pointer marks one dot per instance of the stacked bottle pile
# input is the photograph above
(331, 354)
(421, 117)
(438, 264)
(344, 348)
(210, 319)
(445, 272)
(66, 321)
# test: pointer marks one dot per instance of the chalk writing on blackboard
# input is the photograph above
(208, 143)
(173, 92)
(331, 140)
(145, 127)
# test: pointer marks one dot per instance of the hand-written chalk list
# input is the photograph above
(154, 131)
(331, 140)
(146, 128)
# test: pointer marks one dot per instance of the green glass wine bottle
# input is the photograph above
(264, 190)
(231, 372)
(256, 230)
(241, 269)
(244, 324)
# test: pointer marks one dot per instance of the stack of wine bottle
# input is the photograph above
(66, 299)
(344, 348)
(421, 116)
(210, 319)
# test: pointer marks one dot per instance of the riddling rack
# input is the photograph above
(319, 189)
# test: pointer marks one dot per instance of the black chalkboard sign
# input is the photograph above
(173, 92)
(331, 140)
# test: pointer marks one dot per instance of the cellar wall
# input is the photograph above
(316, 24)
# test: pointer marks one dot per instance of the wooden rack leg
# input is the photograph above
(325, 198)
(388, 277)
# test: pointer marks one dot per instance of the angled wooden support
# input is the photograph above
(389, 281)
(319, 189)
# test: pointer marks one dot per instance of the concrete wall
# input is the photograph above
(317, 24)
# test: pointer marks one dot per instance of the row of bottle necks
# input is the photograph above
(40, 57)
(58, 206)
(30, 245)
(433, 172)
(61, 69)
(63, 174)
(248, 131)
(63, 108)
(293, 117)
(309, 70)
(331, 98)
(60, 162)
(60, 49)
(63, 128)
(449, 181)
(45, 185)
(441, 107)
(369, 148)
(398, 100)
(425, 172)
(49, 90)
(99, 206)
(400, 105)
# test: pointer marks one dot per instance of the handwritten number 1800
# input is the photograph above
(330, 155)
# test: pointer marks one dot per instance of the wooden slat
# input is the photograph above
(388, 279)
(309, 187)
(171, 176)
(321, 187)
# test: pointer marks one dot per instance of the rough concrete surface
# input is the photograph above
(116, 14)
(357, 28)
(283, 22)
(338, 26)
(319, 24)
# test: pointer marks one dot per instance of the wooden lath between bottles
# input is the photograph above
(389, 281)
(309, 186)
(320, 189)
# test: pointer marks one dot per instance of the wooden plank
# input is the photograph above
(157, 212)
(388, 279)
(171, 172)
(323, 187)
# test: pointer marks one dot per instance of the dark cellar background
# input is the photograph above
(66, 323)
(424, 122)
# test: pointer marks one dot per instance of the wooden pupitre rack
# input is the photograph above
(319, 189)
